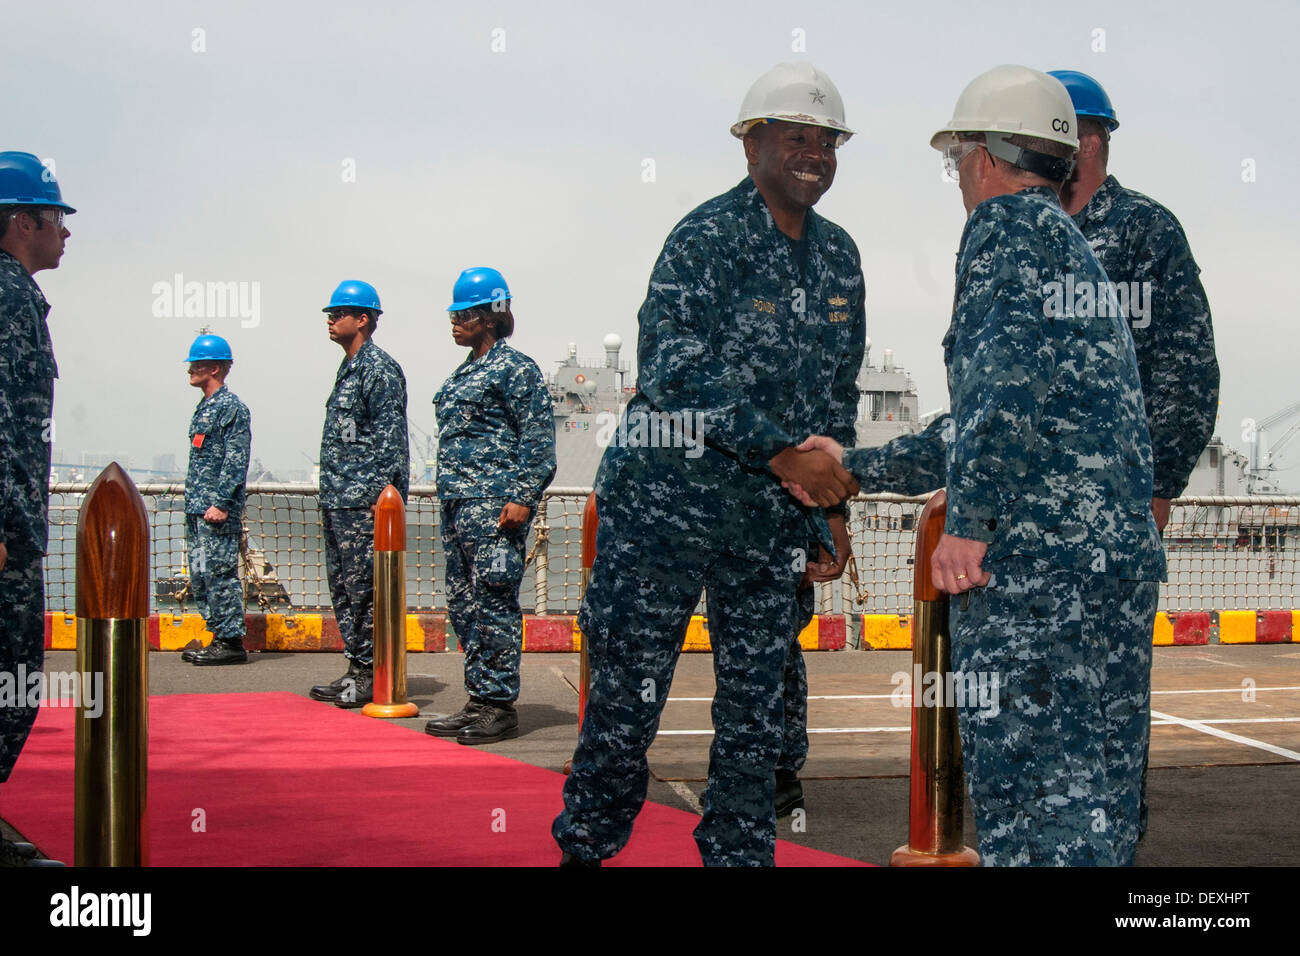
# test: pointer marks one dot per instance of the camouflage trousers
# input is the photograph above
(1054, 744)
(485, 566)
(794, 732)
(22, 645)
(634, 616)
(350, 566)
(214, 578)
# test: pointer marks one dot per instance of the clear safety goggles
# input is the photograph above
(954, 154)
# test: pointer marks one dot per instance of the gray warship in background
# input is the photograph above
(589, 395)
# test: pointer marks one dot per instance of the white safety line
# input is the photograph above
(1215, 660)
(688, 796)
(1204, 728)
(1223, 690)
(1215, 690)
(1236, 720)
(1162, 721)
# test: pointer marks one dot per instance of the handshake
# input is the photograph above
(813, 472)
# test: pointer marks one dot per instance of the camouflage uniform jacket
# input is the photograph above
(1049, 455)
(1138, 240)
(364, 445)
(756, 340)
(220, 440)
(496, 429)
(27, 374)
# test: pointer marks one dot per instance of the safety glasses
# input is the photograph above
(954, 154)
(53, 216)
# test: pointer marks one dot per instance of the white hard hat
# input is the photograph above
(1013, 99)
(795, 93)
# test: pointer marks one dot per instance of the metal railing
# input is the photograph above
(1223, 552)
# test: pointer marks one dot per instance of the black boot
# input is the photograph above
(26, 851)
(789, 793)
(360, 692)
(15, 855)
(190, 653)
(453, 724)
(221, 652)
(330, 692)
(494, 722)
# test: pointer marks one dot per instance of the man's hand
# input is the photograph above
(823, 443)
(818, 443)
(4, 556)
(956, 564)
(214, 515)
(513, 515)
(828, 568)
(820, 478)
(1160, 511)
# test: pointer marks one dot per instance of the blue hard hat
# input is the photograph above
(210, 348)
(1087, 95)
(478, 286)
(354, 292)
(25, 181)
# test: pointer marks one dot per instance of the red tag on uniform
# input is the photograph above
(198, 440)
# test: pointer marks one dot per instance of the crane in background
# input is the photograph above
(1261, 453)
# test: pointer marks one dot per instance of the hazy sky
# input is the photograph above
(286, 147)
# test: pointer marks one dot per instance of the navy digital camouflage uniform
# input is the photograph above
(794, 697)
(736, 337)
(27, 374)
(1137, 241)
(364, 448)
(220, 440)
(1046, 458)
(496, 444)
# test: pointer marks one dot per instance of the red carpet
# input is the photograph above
(284, 781)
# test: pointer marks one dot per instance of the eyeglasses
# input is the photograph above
(464, 318)
(955, 154)
(336, 314)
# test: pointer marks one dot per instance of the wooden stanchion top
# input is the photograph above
(113, 549)
(390, 521)
(929, 529)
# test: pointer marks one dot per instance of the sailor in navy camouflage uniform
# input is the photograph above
(1145, 252)
(220, 440)
(1050, 541)
(364, 448)
(32, 237)
(751, 337)
(496, 455)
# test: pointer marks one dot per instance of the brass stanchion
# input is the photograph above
(588, 560)
(112, 749)
(390, 610)
(934, 832)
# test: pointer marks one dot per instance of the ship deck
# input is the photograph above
(1225, 765)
